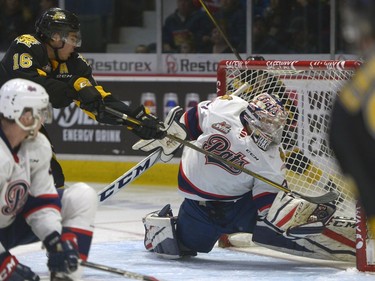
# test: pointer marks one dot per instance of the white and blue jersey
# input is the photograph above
(217, 127)
(27, 190)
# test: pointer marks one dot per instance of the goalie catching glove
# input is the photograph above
(297, 218)
(169, 147)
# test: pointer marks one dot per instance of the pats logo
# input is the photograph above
(15, 197)
(220, 146)
(27, 40)
(222, 127)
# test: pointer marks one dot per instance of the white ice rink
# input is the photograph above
(118, 242)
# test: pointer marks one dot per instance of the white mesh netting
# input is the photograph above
(307, 89)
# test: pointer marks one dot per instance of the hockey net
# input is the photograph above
(308, 89)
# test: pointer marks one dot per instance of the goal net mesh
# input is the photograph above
(307, 89)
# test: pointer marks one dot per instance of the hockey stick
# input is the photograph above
(326, 198)
(209, 14)
(129, 176)
(125, 273)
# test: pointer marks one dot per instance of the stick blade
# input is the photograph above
(328, 197)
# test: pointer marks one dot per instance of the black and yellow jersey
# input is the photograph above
(27, 58)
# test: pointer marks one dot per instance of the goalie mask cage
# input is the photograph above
(307, 90)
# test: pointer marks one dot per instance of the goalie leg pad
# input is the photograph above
(160, 234)
(298, 218)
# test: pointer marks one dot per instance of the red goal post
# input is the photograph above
(307, 89)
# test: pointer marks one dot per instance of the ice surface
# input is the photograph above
(118, 242)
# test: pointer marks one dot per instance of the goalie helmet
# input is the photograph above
(265, 119)
(59, 21)
(18, 96)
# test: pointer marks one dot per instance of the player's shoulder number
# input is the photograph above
(22, 60)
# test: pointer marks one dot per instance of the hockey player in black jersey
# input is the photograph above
(352, 132)
(49, 58)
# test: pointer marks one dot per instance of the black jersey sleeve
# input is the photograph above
(27, 58)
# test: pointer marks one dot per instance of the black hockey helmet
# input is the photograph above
(56, 20)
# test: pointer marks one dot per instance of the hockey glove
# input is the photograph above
(62, 252)
(89, 97)
(90, 100)
(170, 147)
(151, 125)
(113, 103)
(297, 218)
(11, 269)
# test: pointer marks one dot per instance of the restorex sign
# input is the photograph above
(134, 64)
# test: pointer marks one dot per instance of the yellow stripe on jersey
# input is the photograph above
(369, 114)
(350, 99)
(41, 72)
(91, 115)
(102, 92)
(371, 222)
(354, 94)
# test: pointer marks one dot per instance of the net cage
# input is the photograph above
(307, 90)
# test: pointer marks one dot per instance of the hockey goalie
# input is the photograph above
(220, 199)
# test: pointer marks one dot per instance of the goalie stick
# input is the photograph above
(140, 167)
(209, 14)
(125, 273)
(325, 198)
(129, 176)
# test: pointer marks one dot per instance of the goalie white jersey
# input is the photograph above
(217, 127)
(26, 188)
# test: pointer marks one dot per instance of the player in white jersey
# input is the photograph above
(220, 199)
(31, 208)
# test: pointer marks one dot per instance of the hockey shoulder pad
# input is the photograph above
(160, 233)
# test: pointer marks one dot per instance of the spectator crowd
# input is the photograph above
(287, 26)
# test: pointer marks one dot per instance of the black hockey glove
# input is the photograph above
(62, 252)
(113, 103)
(11, 269)
(90, 99)
(151, 125)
